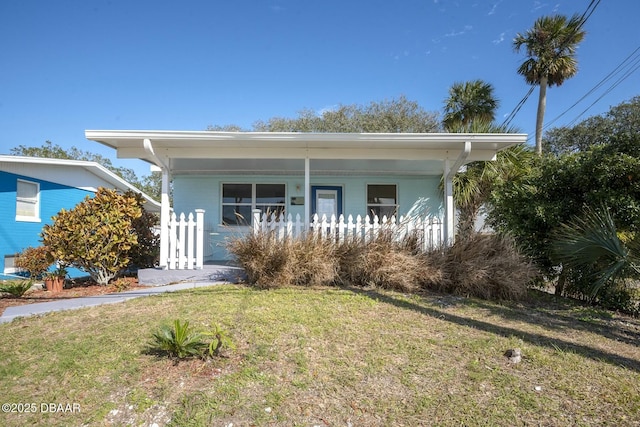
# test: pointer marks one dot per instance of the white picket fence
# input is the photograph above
(186, 241)
(429, 230)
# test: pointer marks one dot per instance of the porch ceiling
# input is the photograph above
(192, 151)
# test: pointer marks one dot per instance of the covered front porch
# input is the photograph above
(303, 162)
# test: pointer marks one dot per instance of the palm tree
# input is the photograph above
(550, 47)
(592, 245)
(468, 102)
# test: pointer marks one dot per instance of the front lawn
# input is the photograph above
(326, 356)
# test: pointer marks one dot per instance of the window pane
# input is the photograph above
(381, 194)
(270, 193)
(271, 209)
(26, 199)
(236, 193)
(236, 215)
(381, 211)
(27, 190)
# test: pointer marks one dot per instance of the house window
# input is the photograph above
(382, 199)
(238, 200)
(27, 201)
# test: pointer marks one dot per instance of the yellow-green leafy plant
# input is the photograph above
(97, 235)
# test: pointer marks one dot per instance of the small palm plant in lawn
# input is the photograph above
(591, 246)
(179, 340)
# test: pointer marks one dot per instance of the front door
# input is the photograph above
(326, 200)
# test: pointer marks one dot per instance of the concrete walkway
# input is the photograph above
(25, 310)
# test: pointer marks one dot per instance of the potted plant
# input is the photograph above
(54, 280)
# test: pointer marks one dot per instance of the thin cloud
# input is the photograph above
(494, 8)
(466, 29)
(538, 5)
(500, 38)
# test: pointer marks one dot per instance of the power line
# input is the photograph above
(582, 20)
(608, 77)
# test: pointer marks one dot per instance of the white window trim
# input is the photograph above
(396, 205)
(253, 200)
(36, 217)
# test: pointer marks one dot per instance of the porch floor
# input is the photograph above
(211, 272)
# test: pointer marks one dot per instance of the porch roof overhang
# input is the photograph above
(184, 152)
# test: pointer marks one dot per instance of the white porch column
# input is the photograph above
(165, 216)
(449, 205)
(307, 194)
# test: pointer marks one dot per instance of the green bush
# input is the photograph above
(16, 288)
(101, 235)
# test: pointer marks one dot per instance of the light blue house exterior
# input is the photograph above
(229, 174)
(342, 195)
(32, 190)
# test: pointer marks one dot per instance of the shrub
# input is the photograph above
(36, 261)
(385, 262)
(486, 266)
(16, 288)
(99, 235)
(270, 262)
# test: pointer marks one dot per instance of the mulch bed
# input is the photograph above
(73, 289)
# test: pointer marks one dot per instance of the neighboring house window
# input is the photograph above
(382, 199)
(10, 264)
(27, 201)
(238, 200)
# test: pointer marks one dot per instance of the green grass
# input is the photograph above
(328, 356)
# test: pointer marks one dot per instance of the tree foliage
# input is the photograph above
(150, 184)
(601, 169)
(100, 235)
(469, 102)
(394, 116)
(621, 119)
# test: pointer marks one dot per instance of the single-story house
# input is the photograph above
(34, 189)
(225, 176)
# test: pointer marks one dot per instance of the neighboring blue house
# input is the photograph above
(32, 190)
(229, 174)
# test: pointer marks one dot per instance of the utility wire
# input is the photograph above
(583, 19)
(609, 76)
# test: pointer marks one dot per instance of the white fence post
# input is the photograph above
(173, 240)
(428, 230)
(199, 238)
(191, 248)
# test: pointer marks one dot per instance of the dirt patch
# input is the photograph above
(72, 289)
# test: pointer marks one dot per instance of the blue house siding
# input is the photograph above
(416, 194)
(17, 235)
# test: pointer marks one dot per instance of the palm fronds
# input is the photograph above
(590, 243)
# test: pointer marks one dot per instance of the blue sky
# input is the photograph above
(67, 66)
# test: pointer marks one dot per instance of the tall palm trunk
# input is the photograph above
(542, 105)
